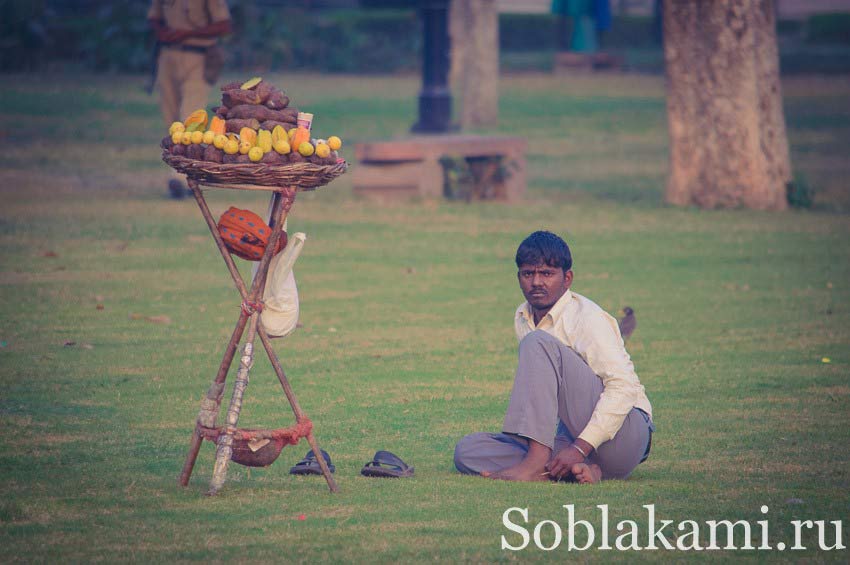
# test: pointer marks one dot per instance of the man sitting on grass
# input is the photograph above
(577, 409)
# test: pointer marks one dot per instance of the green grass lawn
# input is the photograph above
(407, 340)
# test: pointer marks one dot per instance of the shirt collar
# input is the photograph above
(554, 313)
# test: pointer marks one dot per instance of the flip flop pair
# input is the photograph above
(383, 465)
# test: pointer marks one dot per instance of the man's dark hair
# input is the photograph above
(544, 247)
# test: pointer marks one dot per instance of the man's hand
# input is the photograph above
(562, 464)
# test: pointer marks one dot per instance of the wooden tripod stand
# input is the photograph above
(282, 199)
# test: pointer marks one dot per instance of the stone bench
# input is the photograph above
(412, 166)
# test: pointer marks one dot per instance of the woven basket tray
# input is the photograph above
(303, 176)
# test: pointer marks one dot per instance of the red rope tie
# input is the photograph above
(290, 435)
(250, 307)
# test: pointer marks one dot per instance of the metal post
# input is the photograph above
(435, 99)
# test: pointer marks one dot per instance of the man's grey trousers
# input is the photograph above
(553, 388)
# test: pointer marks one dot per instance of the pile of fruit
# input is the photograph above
(254, 124)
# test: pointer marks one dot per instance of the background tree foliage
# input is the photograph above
(341, 36)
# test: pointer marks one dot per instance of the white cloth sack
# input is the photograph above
(280, 297)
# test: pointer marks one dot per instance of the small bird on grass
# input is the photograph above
(628, 322)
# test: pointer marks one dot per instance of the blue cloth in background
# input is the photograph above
(602, 14)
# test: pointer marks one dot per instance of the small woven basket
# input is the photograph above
(303, 176)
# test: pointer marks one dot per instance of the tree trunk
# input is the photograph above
(474, 29)
(728, 145)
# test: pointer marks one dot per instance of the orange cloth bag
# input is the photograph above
(246, 234)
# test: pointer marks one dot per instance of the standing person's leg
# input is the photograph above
(167, 80)
(194, 90)
(187, 92)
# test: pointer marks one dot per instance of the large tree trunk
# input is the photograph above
(474, 29)
(728, 145)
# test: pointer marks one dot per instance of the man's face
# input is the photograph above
(543, 285)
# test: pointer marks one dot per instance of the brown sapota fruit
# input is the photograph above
(195, 152)
(233, 98)
(261, 113)
(235, 126)
(271, 124)
(273, 158)
(213, 154)
(277, 101)
(264, 90)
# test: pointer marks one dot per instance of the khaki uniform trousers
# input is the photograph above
(182, 88)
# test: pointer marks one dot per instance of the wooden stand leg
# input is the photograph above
(212, 401)
(191, 457)
(224, 450)
(296, 408)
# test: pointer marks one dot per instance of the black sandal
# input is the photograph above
(310, 466)
(386, 465)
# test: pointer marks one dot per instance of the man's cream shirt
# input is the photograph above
(584, 327)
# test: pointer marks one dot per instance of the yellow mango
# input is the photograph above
(255, 153)
(322, 150)
(176, 126)
(248, 135)
(282, 146)
(306, 148)
(264, 140)
(278, 133)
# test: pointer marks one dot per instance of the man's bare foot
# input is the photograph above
(586, 474)
(518, 474)
(532, 468)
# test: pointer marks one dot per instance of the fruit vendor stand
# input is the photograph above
(280, 162)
